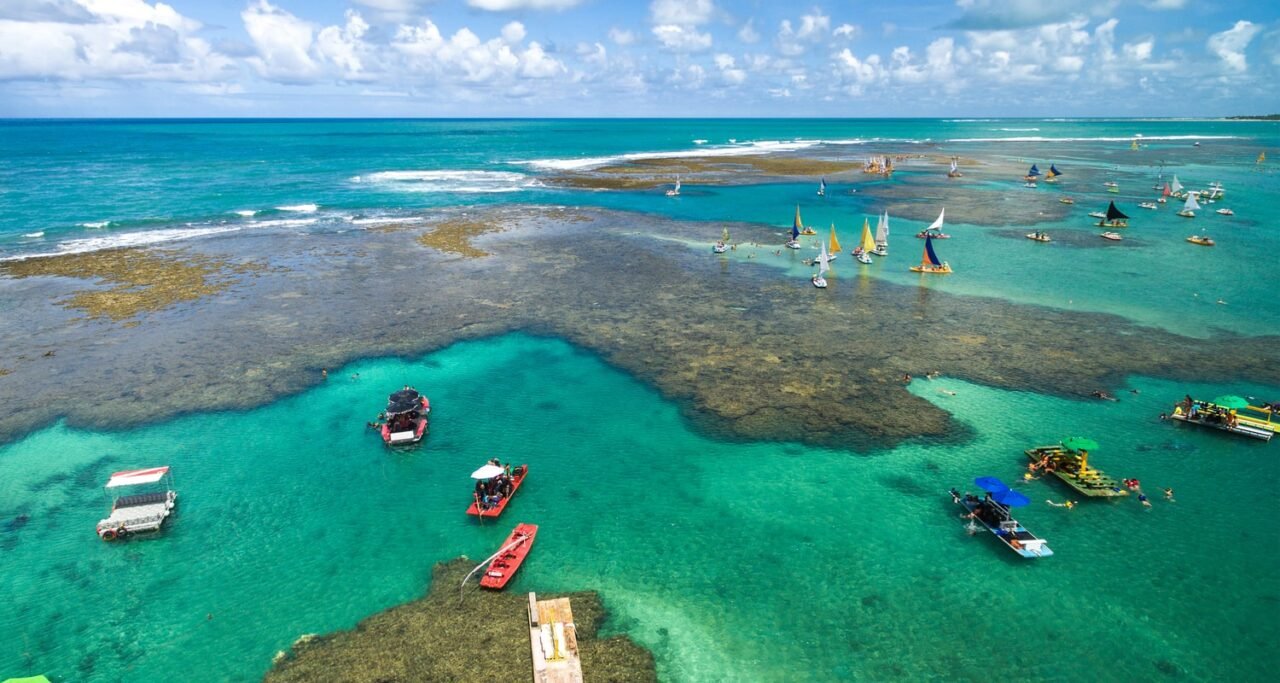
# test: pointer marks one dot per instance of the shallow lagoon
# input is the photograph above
(729, 560)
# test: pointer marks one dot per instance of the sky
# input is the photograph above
(661, 58)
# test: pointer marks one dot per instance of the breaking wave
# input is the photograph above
(301, 208)
(449, 181)
(744, 149)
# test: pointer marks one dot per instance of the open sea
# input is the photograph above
(731, 561)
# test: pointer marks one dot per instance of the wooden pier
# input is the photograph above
(553, 640)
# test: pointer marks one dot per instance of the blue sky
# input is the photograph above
(659, 58)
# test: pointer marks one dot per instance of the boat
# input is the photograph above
(835, 245)
(723, 245)
(822, 187)
(1038, 236)
(405, 417)
(1069, 461)
(509, 557)
(1032, 174)
(1114, 218)
(1225, 212)
(993, 513)
(1165, 193)
(1067, 200)
(503, 489)
(675, 191)
(1262, 157)
(1202, 240)
(144, 509)
(1189, 208)
(1097, 214)
(1052, 175)
(1148, 205)
(1214, 193)
(1030, 183)
(955, 169)
(1224, 415)
(818, 280)
(1114, 189)
(1111, 183)
(1113, 236)
(882, 236)
(798, 228)
(867, 245)
(1176, 190)
(1134, 145)
(930, 262)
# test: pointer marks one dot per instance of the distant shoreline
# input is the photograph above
(1263, 117)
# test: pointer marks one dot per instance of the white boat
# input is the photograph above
(1149, 205)
(955, 169)
(675, 191)
(1214, 192)
(1225, 212)
(138, 512)
(882, 236)
(1190, 207)
(723, 245)
(822, 187)
(1111, 183)
(1097, 214)
(817, 280)
(1113, 236)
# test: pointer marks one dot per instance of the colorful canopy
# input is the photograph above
(1011, 498)
(1231, 401)
(990, 484)
(131, 477)
(1079, 443)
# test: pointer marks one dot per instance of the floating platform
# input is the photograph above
(1252, 428)
(1066, 466)
(553, 641)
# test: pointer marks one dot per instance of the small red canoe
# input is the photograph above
(517, 478)
(514, 550)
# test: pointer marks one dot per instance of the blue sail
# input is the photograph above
(929, 254)
(795, 232)
(1053, 170)
(1034, 170)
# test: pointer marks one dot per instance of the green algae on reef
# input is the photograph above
(439, 638)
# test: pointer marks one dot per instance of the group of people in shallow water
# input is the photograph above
(491, 492)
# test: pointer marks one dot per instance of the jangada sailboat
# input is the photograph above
(723, 244)
(867, 245)
(675, 191)
(882, 236)
(835, 244)
(1032, 174)
(1165, 193)
(955, 169)
(1114, 218)
(794, 242)
(1176, 189)
(817, 280)
(934, 230)
(798, 228)
(822, 187)
(931, 263)
(1052, 175)
(1190, 207)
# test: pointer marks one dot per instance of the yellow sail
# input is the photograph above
(1262, 156)
(835, 244)
(1134, 145)
(868, 243)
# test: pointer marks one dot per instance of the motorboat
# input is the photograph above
(1148, 205)
(405, 417)
(503, 487)
(1225, 212)
(993, 513)
(1202, 240)
(509, 557)
(1039, 236)
(150, 501)
(1113, 236)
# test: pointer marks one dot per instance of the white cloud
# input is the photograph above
(681, 12)
(1230, 44)
(846, 31)
(464, 58)
(748, 33)
(513, 32)
(813, 27)
(344, 47)
(681, 38)
(621, 36)
(1166, 4)
(729, 70)
(508, 5)
(283, 43)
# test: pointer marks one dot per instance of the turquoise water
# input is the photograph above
(732, 561)
(85, 185)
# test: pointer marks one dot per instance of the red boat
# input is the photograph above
(406, 417)
(510, 557)
(517, 478)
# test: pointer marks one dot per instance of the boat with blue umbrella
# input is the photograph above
(992, 511)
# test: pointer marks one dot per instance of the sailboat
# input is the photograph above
(1189, 208)
(723, 244)
(1134, 145)
(866, 245)
(817, 280)
(934, 230)
(835, 244)
(1165, 193)
(822, 187)
(794, 242)
(798, 227)
(1114, 218)
(1262, 157)
(930, 262)
(1176, 190)
(882, 236)
(1052, 175)
(675, 191)
(955, 169)
(1031, 176)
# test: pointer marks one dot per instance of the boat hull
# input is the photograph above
(996, 520)
(504, 567)
(517, 479)
(944, 269)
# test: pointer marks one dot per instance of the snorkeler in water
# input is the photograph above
(1065, 504)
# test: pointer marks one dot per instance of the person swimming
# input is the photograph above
(1142, 498)
(1168, 494)
(1069, 504)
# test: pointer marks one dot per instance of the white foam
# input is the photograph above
(97, 224)
(1097, 139)
(247, 213)
(38, 233)
(386, 220)
(301, 208)
(745, 149)
(283, 223)
(1019, 130)
(450, 181)
(700, 141)
(125, 239)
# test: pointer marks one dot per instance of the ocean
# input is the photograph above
(730, 559)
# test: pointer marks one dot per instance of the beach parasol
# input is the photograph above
(1231, 402)
(1079, 443)
(990, 484)
(487, 472)
(1011, 498)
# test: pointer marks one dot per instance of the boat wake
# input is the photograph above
(449, 181)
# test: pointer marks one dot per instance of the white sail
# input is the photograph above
(1175, 187)
(937, 225)
(953, 166)
(1191, 204)
(677, 183)
(822, 261)
(882, 229)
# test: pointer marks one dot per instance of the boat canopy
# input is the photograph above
(487, 472)
(131, 477)
(403, 401)
(1013, 499)
(1115, 214)
(990, 484)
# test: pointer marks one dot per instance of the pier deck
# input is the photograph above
(553, 640)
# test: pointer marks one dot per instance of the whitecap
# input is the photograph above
(96, 224)
(247, 213)
(301, 208)
(38, 233)
(449, 181)
(125, 239)
(745, 149)
(385, 220)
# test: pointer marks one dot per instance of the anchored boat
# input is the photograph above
(1113, 218)
(1223, 414)
(494, 489)
(1039, 236)
(930, 263)
(798, 228)
(993, 513)
(723, 245)
(145, 510)
(509, 558)
(675, 191)
(866, 246)
(406, 417)
(1069, 461)
(955, 169)
(818, 280)
(882, 236)
(1190, 207)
